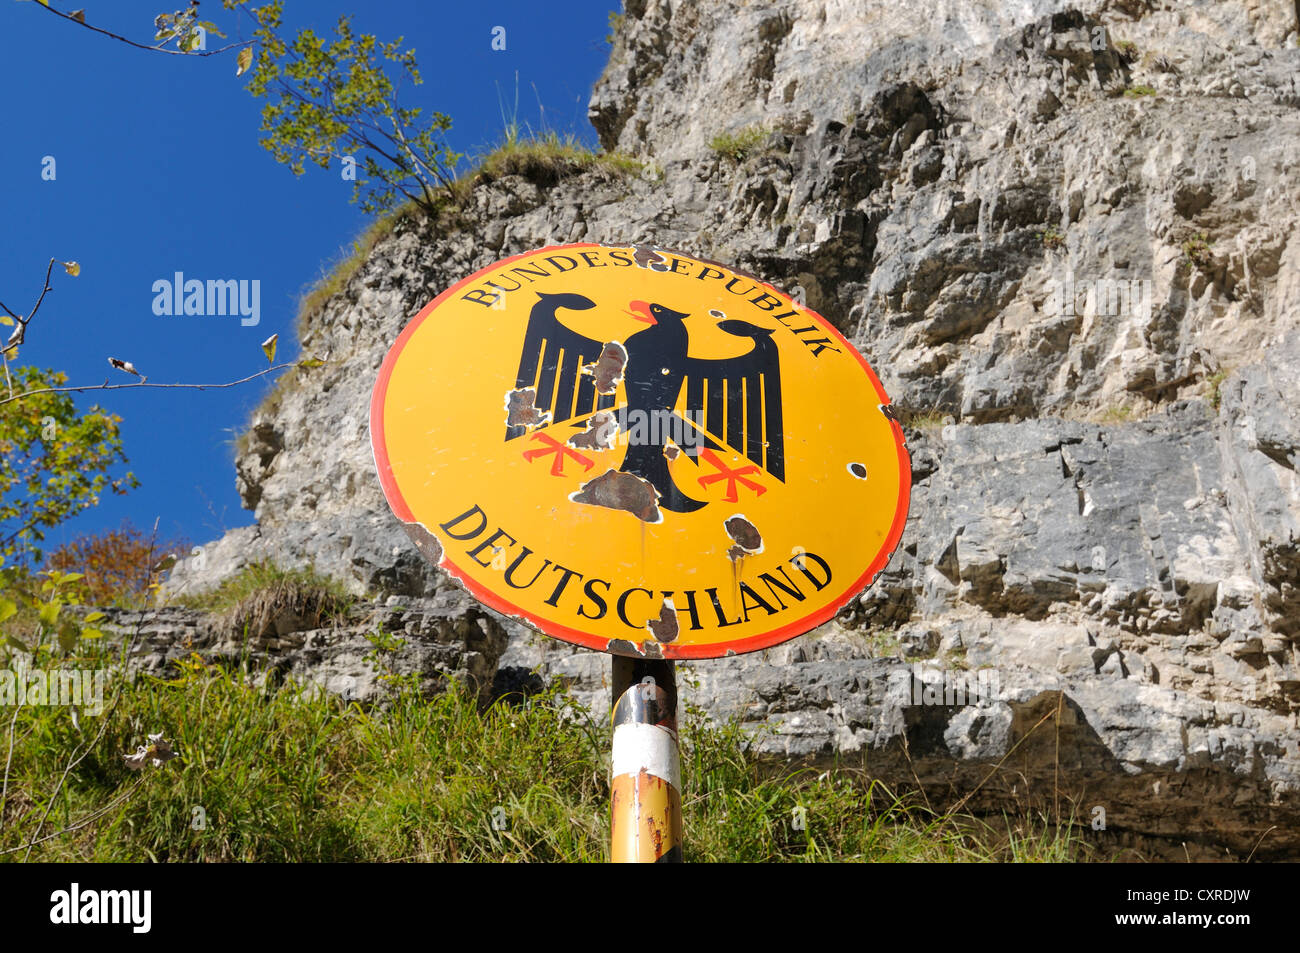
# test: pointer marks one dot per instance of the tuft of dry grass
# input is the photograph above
(1052, 238)
(264, 600)
(344, 269)
(924, 419)
(737, 146)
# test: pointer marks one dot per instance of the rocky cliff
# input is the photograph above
(1065, 237)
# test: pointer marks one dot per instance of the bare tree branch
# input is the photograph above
(107, 386)
(20, 333)
(141, 46)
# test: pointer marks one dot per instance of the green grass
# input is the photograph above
(1115, 414)
(882, 643)
(1215, 384)
(286, 774)
(923, 419)
(545, 158)
(1196, 251)
(739, 145)
(1134, 92)
(1052, 238)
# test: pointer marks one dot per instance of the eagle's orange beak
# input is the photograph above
(641, 311)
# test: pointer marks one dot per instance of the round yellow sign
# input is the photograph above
(640, 451)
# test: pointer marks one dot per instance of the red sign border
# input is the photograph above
(668, 650)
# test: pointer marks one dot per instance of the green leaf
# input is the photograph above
(7, 609)
(19, 644)
(311, 362)
(268, 347)
(49, 613)
(93, 617)
(243, 61)
(91, 634)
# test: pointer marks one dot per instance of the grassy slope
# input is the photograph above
(281, 773)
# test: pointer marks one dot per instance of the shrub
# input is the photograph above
(116, 565)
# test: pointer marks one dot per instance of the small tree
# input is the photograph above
(55, 461)
(334, 102)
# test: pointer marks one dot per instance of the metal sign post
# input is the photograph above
(645, 791)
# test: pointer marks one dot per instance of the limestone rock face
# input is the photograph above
(1067, 241)
(431, 640)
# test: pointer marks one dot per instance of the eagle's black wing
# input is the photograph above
(552, 360)
(740, 398)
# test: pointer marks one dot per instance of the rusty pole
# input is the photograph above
(646, 801)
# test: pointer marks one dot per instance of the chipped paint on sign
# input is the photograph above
(649, 396)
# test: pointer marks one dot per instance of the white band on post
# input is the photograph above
(649, 748)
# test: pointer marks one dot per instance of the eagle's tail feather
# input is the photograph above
(649, 463)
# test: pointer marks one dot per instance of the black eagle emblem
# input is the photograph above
(733, 402)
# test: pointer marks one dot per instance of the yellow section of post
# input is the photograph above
(646, 803)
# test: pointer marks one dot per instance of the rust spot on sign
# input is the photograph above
(666, 627)
(745, 535)
(606, 371)
(616, 490)
(648, 258)
(601, 430)
(521, 408)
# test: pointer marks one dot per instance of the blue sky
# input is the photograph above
(158, 170)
